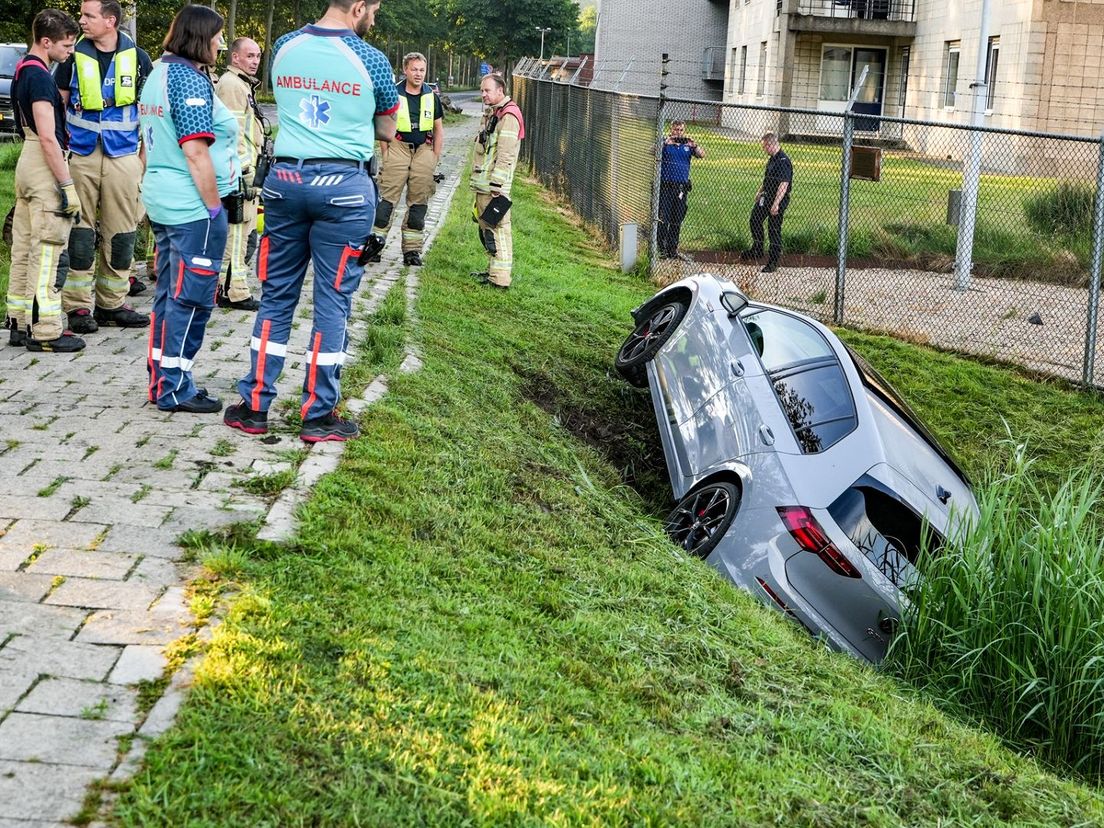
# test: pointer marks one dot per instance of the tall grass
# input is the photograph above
(1008, 624)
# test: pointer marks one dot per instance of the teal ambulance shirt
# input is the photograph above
(329, 85)
(178, 105)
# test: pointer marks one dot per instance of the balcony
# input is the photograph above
(889, 18)
(713, 63)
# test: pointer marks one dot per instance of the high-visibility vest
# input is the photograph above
(426, 105)
(104, 109)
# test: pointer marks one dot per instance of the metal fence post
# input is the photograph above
(844, 213)
(1088, 374)
(653, 233)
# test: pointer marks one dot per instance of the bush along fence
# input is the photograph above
(870, 243)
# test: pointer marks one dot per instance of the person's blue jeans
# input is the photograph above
(188, 261)
(320, 213)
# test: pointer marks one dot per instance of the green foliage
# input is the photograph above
(1008, 624)
(1066, 209)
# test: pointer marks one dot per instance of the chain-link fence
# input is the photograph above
(875, 249)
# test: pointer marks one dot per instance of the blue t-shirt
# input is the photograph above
(178, 105)
(329, 86)
(676, 163)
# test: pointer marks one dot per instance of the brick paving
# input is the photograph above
(99, 487)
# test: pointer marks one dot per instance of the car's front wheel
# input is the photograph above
(646, 340)
(702, 517)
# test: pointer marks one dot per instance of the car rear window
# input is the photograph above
(817, 401)
(884, 529)
(9, 57)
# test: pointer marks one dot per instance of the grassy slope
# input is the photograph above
(481, 624)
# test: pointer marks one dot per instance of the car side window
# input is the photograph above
(783, 340)
(807, 377)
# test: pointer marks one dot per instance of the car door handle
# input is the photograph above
(766, 435)
(737, 368)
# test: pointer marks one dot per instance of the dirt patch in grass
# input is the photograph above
(620, 427)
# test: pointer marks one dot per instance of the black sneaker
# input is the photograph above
(136, 286)
(486, 280)
(769, 267)
(249, 304)
(199, 404)
(242, 417)
(64, 344)
(123, 316)
(328, 427)
(412, 258)
(82, 321)
(480, 275)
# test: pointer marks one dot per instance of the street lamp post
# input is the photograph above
(543, 32)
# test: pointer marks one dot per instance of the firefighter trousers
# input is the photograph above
(412, 170)
(108, 191)
(39, 261)
(189, 260)
(308, 222)
(239, 252)
(498, 241)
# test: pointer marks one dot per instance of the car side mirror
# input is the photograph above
(733, 302)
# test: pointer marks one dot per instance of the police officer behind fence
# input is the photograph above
(770, 203)
(192, 146)
(332, 90)
(493, 166)
(409, 160)
(674, 187)
(46, 202)
(100, 85)
(236, 88)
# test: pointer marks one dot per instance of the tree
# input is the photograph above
(502, 31)
(588, 26)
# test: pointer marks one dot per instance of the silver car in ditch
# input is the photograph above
(799, 472)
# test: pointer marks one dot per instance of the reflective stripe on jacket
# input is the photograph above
(104, 109)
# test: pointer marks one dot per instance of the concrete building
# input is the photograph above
(1043, 60)
(632, 35)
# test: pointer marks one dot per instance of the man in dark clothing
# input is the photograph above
(770, 203)
(674, 187)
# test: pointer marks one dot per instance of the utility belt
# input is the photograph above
(369, 165)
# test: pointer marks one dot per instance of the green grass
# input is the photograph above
(902, 217)
(481, 622)
(1008, 625)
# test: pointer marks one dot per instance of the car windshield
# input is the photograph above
(9, 57)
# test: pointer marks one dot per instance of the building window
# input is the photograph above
(835, 73)
(743, 71)
(761, 84)
(991, 57)
(902, 94)
(951, 50)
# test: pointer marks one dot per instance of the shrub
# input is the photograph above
(1008, 623)
(1067, 209)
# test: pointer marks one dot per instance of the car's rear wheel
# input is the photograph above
(646, 340)
(702, 517)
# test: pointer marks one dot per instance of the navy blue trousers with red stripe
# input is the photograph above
(319, 213)
(188, 261)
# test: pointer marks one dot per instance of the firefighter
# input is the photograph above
(236, 88)
(496, 154)
(100, 85)
(410, 160)
(332, 89)
(46, 202)
(192, 165)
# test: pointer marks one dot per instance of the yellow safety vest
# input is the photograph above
(91, 84)
(425, 115)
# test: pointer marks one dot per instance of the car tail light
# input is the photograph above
(801, 524)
